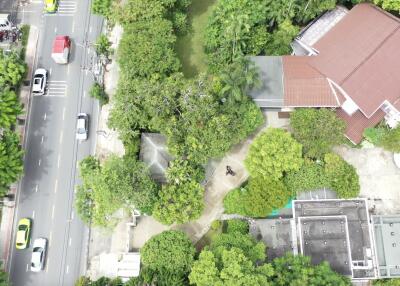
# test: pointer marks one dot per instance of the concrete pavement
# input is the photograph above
(47, 188)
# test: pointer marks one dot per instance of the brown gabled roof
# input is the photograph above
(304, 86)
(356, 123)
(361, 54)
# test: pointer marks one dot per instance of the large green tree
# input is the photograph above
(11, 163)
(342, 176)
(102, 7)
(167, 256)
(279, 41)
(273, 153)
(318, 130)
(118, 183)
(10, 108)
(12, 70)
(258, 198)
(391, 140)
(179, 203)
(389, 5)
(298, 270)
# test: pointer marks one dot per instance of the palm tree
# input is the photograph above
(238, 78)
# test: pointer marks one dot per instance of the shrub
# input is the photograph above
(103, 46)
(97, 91)
(216, 224)
(374, 135)
(391, 140)
(237, 225)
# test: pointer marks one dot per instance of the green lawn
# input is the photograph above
(190, 47)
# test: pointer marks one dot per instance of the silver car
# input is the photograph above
(38, 254)
(82, 127)
(39, 82)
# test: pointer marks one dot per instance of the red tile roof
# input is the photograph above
(304, 86)
(356, 123)
(361, 54)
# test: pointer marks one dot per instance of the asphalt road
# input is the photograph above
(52, 152)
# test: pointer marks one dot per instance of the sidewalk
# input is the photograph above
(8, 212)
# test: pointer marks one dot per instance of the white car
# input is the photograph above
(39, 82)
(82, 127)
(38, 254)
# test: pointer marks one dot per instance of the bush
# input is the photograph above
(342, 176)
(386, 282)
(103, 46)
(237, 225)
(216, 224)
(258, 198)
(391, 140)
(374, 135)
(97, 91)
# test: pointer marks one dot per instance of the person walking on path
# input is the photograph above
(229, 171)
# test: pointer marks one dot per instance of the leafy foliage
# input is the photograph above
(391, 140)
(97, 91)
(102, 281)
(280, 39)
(311, 176)
(103, 46)
(179, 203)
(374, 134)
(386, 282)
(389, 5)
(102, 7)
(318, 130)
(342, 176)
(180, 171)
(273, 153)
(12, 70)
(11, 163)
(168, 255)
(120, 182)
(258, 198)
(298, 270)
(237, 225)
(10, 108)
(3, 278)
(231, 268)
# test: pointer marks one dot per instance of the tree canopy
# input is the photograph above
(273, 153)
(10, 108)
(391, 140)
(169, 255)
(11, 162)
(258, 198)
(318, 130)
(119, 182)
(298, 270)
(12, 70)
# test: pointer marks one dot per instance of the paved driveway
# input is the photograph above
(379, 177)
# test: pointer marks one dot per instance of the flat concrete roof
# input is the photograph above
(278, 234)
(387, 241)
(345, 218)
(270, 93)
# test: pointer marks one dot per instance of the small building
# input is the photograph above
(387, 241)
(154, 153)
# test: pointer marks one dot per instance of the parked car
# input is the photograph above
(39, 82)
(50, 6)
(23, 233)
(82, 127)
(38, 254)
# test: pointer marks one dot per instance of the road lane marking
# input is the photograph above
(55, 29)
(70, 241)
(52, 212)
(36, 188)
(58, 160)
(90, 29)
(63, 116)
(27, 267)
(72, 215)
(73, 26)
(47, 263)
(45, 116)
(56, 186)
(33, 214)
(84, 93)
(42, 140)
(68, 69)
(50, 70)
(40, 161)
(50, 237)
(61, 137)
(67, 270)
